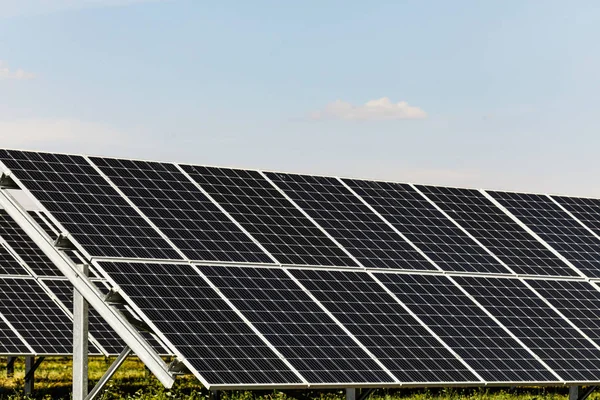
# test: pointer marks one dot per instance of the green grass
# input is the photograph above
(132, 381)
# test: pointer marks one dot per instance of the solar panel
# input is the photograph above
(25, 247)
(585, 210)
(98, 328)
(467, 329)
(269, 217)
(35, 316)
(289, 319)
(10, 343)
(9, 265)
(556, 227)
(86, 205)
(540, 328)
(397, 339)
(181, 211)
(437, 236)
(497, 231)
(577, 300)
(350, 222)
(209, 335)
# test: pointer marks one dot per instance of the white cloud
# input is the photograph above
(18, 74)
(52, 132)
(12, 8)
(379, 109)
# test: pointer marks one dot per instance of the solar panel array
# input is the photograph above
(263, 279)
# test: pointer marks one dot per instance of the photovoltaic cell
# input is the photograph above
(9, 265)
(585, 210)
(25, 247)
(90, 209)
(556, 227)
(202, 327)
(269, 217)
(10, 343)
(577, 300)
(350, 222)
(467, 329)
(98, 328)
(497, 231)
(426, 227)
(306, 336)
(398, 340)
(35, 316)
(181, 211)
(538, 326)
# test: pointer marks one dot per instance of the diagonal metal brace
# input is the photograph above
(34, 367)
(587, 393)
(109, 374)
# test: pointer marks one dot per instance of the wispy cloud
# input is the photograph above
(379, 109)
(18, 74)
(12, 8)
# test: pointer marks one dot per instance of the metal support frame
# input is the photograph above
(215, 395)
(10, 367)
(80, 341)
(31, 365)
(577, 392)
(108, 374)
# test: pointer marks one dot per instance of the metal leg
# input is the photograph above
(30, 366)
(109, 374)
(10, 367)
(215, 395)
(80, 342)
(351, 394)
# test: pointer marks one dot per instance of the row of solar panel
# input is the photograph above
(245, 325)
(118, 208)
(36, 303)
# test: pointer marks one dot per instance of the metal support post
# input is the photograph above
(351, 394)
(10, 367)
(573, 392)
(109, 374)
(30, 366)
(215, 395)
(80, 341)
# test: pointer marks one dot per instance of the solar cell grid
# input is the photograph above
(520, 251)
(467, 329)
(181, 211)
(202, 327)
(35, 316)
(10, 343)
(430, 230)
(398, 340)
(90, 209)
(585, 210)
(540, 328)
(25, 247)
(577, 300)
(9, 265)
(556, 227)
(298, 328)
(350, 222)
(269, 217)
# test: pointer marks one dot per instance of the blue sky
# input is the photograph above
(494, 94)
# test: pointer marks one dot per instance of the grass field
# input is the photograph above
(53, 381)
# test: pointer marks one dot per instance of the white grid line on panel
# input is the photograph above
(132, 205)
(311, 219)
(346, 331)
(391, 226)
(508, 331)
(581, 332)
(459, 226)
(532, 233)
(250, 325)
(235, 222)
(425, 326)
(43, 217)
(16, 256)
